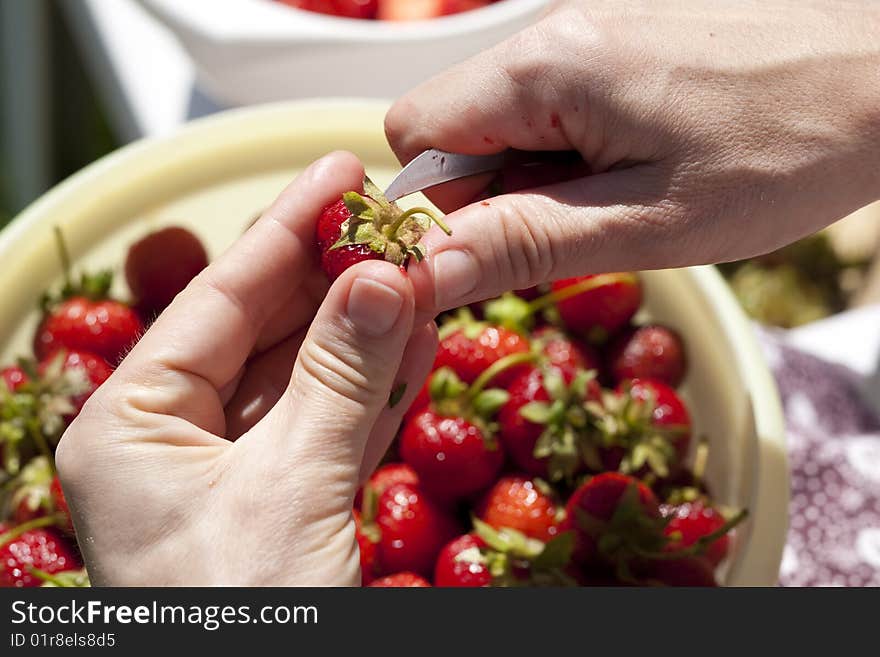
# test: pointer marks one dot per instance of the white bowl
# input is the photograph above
(217, 173)
(254, 51)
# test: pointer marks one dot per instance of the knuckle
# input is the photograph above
(526, 252)
(339, 368)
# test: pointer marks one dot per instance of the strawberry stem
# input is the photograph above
(414, 211)
(63, 255)
(42, 575)
(495, 369)
(36, 523)
(580, 287)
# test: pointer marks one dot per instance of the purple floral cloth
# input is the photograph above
(834, 457)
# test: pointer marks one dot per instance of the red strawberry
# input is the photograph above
(522, 504)
(161, 265)
(402, 580)
(544, 425)
(14, 377)
(42, 548)
(413, 529)
(386, 476)
(345, 8)
(104, 327)
(598, 305)
(469, 348)
(691, 521)
(685, 571)
(453, 456)
(612, 515)
(461, 564)
(648, 352)
(559, 350)
(60, 503)
(504, 557)
(367, 540)
(94, 368)
(368, 227)
(646, 427)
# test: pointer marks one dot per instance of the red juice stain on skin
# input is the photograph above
(488, 140)
(485, 203)
(577, 109)
(554, 120)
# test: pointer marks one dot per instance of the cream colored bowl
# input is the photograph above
(218, 173)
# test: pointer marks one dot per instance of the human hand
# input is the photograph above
(228, 445)
(713, 132)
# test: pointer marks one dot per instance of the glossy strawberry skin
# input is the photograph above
(450, 455)
(516, 502)
(60, 503)
(470, 357)
(566, 353)
(608, 307)
(401, 580)
(368, 551)
(366, 9)
(450, 571)
(690, 522)
(44, 549)
(95, 368)
(159, 267)
(386, 476)
(327, 233)
(14, 377)
(669, 409)
(413, 530)
(599, 498)
(107, 328)
(648, 352)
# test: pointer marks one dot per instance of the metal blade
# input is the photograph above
(434, 167)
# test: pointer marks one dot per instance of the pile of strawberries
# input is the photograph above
(83, 334)
(548, 446)
(389, 10)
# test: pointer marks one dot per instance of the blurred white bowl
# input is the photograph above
(216, 174)
(253, 51)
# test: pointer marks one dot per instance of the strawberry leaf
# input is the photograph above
(536, 412)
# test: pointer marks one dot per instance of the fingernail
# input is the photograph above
(373, 307)
(455, 275)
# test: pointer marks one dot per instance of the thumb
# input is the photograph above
(346, 368)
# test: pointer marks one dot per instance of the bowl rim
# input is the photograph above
(273, 21)
(758, 564)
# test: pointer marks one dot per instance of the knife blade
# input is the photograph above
(435, 166)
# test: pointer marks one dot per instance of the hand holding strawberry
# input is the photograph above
(249, 381)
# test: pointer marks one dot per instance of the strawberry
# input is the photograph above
(504, 557)
(14, 377)
(33, 546)
(684, 571)
(415, 10)
(413, 529)
(454, 457)
(367, 539)
(345, 8)
(615, 518)
(451, 445)
(402, 580)
(469, 348)
(691, 521)
(159, 266)
(545, 425)
(461, 564)
(385, 476)
(522, 504)
(648, 352)
(368, 227)
(597, 305)
(646, 428)
(559, 350)
(94, 369)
